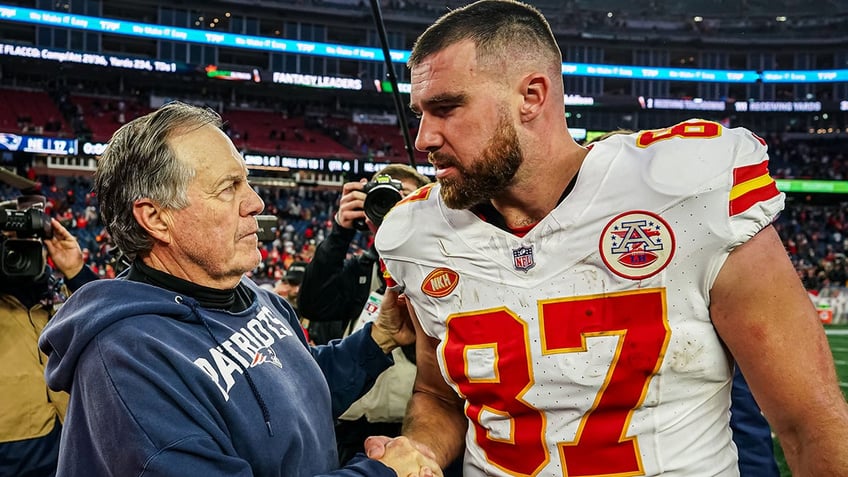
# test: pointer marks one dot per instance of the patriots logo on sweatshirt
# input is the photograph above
(266, 355)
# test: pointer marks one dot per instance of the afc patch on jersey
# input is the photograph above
(637, 244)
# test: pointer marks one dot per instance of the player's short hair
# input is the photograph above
(503, 31)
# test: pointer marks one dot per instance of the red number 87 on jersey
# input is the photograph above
(600, 446)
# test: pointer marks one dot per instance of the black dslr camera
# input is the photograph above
(381, 195)
(22, 257)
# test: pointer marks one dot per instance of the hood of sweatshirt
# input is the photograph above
(96, 307)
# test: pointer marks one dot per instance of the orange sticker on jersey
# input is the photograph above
(440, 282)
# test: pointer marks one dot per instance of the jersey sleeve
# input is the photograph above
(719, 187)
(395, 240)
(721, 173)
(754, 200)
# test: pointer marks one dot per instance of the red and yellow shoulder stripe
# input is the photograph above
(751, 184)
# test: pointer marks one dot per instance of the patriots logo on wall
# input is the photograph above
(10, 142)
(637, 245)
(522, 258)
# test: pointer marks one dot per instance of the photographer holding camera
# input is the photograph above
(30, 413)
(351, 281)
(338, 295)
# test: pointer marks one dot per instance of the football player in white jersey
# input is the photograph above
(580, 312)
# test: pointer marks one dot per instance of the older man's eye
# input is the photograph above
(230, 189)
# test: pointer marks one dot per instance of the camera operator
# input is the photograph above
(30, 413)
(348, 281)
(336, 291)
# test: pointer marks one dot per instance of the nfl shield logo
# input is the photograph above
(522, 258)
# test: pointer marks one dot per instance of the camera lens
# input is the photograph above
(15, 262)
(379, 201)
(21, 258)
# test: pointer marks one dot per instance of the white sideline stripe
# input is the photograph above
(836, 332)
(843, 385)
(839, 349)
(839, 362)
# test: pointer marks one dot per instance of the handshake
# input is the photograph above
(407, 458)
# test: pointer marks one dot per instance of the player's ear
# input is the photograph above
(153, 218)
(535, 88)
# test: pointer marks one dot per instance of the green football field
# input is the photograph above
(838, 338)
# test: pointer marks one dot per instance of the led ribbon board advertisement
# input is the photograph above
(38, 144)
(49, 18)
(812, 186)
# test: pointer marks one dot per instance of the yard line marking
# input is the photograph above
(836, 332)
(839, 349)
(843, 385)
(839, 362)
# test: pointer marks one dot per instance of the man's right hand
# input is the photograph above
(64, 250)
(407, 458)
(351, 204)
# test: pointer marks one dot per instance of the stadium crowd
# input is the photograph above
(681, 20)
(304, 217)
(815, 234)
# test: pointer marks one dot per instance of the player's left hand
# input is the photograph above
(64, 250)
(393, 327)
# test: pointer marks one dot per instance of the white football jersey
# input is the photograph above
(585, 348)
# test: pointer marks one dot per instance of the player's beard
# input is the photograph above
(488, 175)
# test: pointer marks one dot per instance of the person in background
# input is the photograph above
(288, 286)
(359, 285)
(349, 280)
(580, 311)
(751, 432)
(31, 414)
(184, 367)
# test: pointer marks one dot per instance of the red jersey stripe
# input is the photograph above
(746, 173)
(752, 197)
(390, 282)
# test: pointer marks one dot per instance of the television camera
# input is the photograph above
(22, 253)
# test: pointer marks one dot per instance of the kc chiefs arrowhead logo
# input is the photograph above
(440, 282)
(637, 245)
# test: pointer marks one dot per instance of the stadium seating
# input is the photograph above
(28, 111)
(377, 141)
(271, 132)
(105, 114)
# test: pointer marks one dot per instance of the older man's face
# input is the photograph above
(213, 240)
